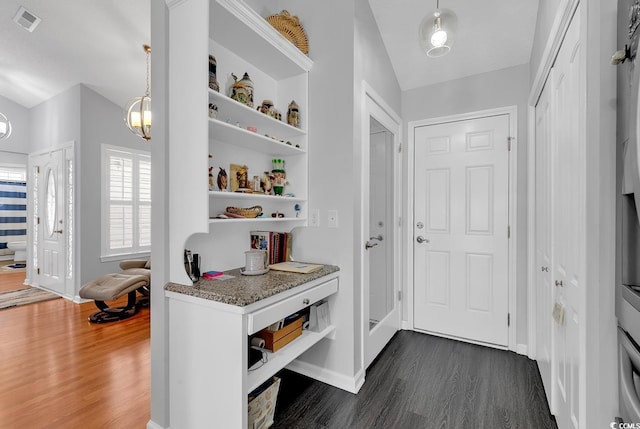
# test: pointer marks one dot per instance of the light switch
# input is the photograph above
(332, 218)
(314, 218)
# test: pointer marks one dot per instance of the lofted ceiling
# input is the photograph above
(99, 43)
(95, 42)
(492, 35)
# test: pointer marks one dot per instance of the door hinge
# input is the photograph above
(38, 220)
(399, 147)
(38, 271)
(399, 295)
(399, 220)
(509, 140)
(508, 231)
(508, 319)
(37, 169)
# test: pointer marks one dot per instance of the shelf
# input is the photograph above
(258, 220)
(243, 196)
(242, 30)
(230, 109)
(283, 357)
(235, 135)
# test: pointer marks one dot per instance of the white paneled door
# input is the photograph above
(461, 248)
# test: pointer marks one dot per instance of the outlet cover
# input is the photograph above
(332, 218)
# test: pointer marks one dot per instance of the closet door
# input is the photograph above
(543, 224)
(568, 213)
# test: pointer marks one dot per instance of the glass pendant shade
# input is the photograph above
(138, 110)
(5, 126)
(138, 117)
(437, 32)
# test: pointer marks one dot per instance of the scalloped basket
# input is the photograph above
(290, 28)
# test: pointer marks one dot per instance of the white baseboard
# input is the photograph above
(341, 381)
(153, 425)
(522, 349)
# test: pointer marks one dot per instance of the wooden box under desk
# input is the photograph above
(275, 340)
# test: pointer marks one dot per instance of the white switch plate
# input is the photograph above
(332, 218)
(314, 218)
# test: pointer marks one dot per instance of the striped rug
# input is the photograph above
(31, 295)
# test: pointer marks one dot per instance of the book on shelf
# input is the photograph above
(276, 244)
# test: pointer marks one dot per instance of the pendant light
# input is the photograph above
(138, 110)
(5, 126)
(437, 31)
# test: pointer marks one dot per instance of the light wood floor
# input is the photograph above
(12, 280)
(59, 371)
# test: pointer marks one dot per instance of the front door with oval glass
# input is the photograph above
(50, 221)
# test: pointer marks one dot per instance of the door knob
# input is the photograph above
(544, 269)
(421, 239)
(379, 238)
(369, 244)
(559, 283)
(57, 231)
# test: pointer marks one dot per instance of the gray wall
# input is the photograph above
(102, 122)
(18, 141)
(547, 10)
(56, 121)
(501, 88)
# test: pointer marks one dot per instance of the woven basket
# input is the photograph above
(250, 212)
(289, 26)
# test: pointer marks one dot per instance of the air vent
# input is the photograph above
(26, 19)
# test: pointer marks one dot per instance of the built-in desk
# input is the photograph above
(209, 325)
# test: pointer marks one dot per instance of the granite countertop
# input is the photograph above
(244, 290)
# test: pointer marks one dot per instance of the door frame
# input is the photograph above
(512, 112)
(368, 93)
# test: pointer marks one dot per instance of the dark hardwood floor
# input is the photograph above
(421, 381)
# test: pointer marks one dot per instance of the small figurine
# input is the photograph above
(265, 106)
(213, 82)
(222, 179)
(213, 111)
(293, 115)
(265, 183)
(210, 174)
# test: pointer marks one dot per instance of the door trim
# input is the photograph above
(512, 112)
(367, 92)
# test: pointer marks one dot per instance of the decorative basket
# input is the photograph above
(250, 212)
(289, 26)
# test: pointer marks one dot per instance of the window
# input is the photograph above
(126, 202)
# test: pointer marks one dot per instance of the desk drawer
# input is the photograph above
(279, 310)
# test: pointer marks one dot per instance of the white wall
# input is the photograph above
(55, 121)
(506, 87)
(18, 141)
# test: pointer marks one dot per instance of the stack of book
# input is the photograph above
(277, 244)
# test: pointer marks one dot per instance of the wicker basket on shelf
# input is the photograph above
(250, 212)
(289, 26)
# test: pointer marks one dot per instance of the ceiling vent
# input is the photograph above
(26, 19)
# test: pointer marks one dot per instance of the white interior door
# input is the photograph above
(381, 307)
(568, 225)
(461, 205)
(543, 225)
(51, 222)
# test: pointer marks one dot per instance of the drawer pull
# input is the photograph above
(305, 301)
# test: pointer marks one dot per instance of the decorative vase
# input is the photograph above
(293, 114)
(242, 90)
(213, 81)
(222, 179)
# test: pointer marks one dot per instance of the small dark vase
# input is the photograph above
(213, 81)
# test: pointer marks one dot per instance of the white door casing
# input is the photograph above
(461, 211)
(387, 250)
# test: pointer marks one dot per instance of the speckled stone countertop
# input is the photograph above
(244, 290)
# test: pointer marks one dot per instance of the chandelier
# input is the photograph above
(138, 109)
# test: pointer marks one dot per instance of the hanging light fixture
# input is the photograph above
(138, 110)
(437, 31)
(5, 126)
